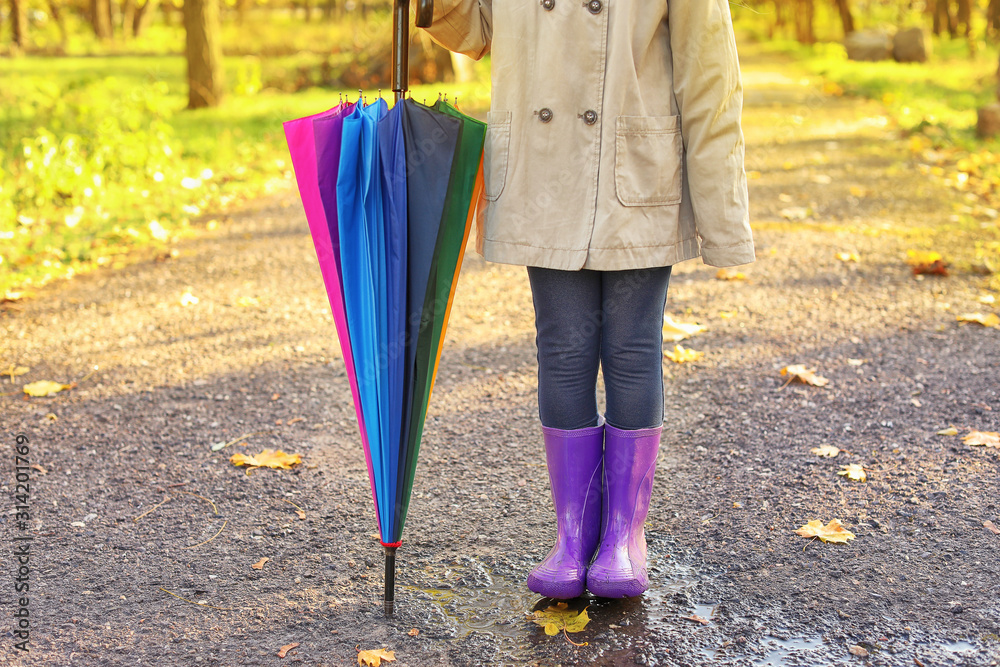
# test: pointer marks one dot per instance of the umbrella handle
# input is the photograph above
(425, 13)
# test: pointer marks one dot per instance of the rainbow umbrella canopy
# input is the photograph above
(390, 220)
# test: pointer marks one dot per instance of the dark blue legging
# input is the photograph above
(607, 319)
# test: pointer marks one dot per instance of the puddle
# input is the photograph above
(782, 652)
(467, 600)
(958, 647)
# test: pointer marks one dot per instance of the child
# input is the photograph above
(614, 150)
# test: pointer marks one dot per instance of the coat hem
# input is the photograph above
(599, 259)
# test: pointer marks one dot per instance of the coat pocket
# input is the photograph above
(649, 160)
(496, 152)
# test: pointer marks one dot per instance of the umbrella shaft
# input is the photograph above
(400, 47)
(390, 579)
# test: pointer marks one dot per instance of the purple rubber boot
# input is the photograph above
(574, 460)
(619, 569)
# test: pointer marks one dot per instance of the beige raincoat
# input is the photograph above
(614, 138)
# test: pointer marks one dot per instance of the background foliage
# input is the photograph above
(98, 155)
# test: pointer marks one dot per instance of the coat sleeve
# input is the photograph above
(463, 26)
(709, 94)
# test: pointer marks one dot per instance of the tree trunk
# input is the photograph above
(944, 19)
(241, 10)
(127, 14)
(307, 6)
(18, 24)
(330, 6)
(57, 16)
(143, 17)
(846, 18)
(100, 18)
(993, 18)
(204, 53)
(804, 14)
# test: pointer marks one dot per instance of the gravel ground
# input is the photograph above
(257, 354)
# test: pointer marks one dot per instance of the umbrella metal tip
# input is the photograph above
(388, 608)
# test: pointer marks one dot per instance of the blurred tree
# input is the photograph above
(993, 18)
(846, 18)
(143, 17)
(805, 13)
(57, 16)
(204, 53)
(100, 18)
(18, 24)
(943, 17)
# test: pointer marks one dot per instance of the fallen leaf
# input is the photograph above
(266, 459)
(697, 619)
(987, 299)
(677, 331)
(827, 451)
(188, 299)
(991, 320)
(729, 274)
(858, 651)
(854, 471)
(848, 257)
(247, 301)
(831, 532)
(560, 618)
(982, 439)
(375, 658)
(918, 257)
(286, 648)
(39, 468)
(413, 632)
(302, 515)
(990, 526)
(798, 372)
(951, 430)
(856, 362)
(259, 565)
(45, 388)
(680, 355)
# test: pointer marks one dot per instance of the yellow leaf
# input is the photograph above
(987, 299)
(247, 301)
(858, 651)
(677, 331)
(848, 257)
(827, 451)
(45, 388)
(990, 320)
(375, 658)
(854, 471)
(266, 459)
(413, 632)
(800, 373)
(259, 565)
(856, 362)
(188, 299)
(982, 439)
(727, 314)
(681, 355)
(729, 274)
(951, 430)
(915, 257)
(831, 532)
(560, 618)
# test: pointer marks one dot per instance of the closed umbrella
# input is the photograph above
(390, 197)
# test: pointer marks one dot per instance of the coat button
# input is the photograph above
(548, 4)
(545, 115)
(590, 117)
(595, 6)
